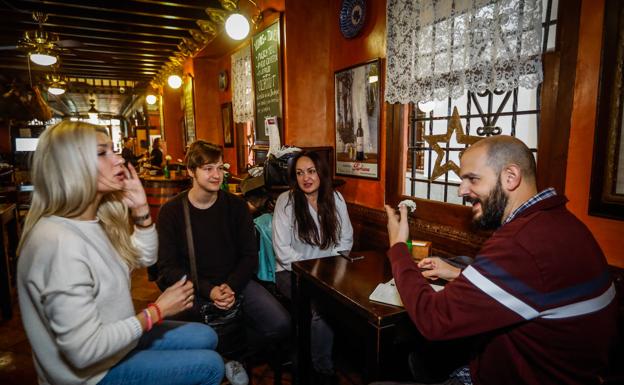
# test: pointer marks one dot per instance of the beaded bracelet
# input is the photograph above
(160, 317)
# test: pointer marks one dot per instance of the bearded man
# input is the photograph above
(538, 296)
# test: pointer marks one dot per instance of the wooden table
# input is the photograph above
(343, 287)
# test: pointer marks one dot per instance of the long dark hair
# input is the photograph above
(326, 205)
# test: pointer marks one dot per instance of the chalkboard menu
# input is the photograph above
(267, 79)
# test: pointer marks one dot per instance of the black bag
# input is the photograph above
(276, 170)
(229, 324)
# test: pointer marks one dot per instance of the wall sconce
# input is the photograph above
(237, 25)
(174, 81)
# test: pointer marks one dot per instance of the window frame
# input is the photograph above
(557, 96)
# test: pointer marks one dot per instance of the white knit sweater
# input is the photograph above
(74, 296)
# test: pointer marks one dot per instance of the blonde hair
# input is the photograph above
(64, 177)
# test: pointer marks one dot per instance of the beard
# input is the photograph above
(492, 207)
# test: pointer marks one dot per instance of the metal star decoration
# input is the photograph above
(454, 126)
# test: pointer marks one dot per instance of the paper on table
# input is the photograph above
(388, 293)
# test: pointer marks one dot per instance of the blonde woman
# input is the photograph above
(76, 254)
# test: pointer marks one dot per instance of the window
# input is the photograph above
(515, 113)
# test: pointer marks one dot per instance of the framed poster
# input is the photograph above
(227, 120)
(606, 195)
(266, 57)
(188, 109)
(358, 117)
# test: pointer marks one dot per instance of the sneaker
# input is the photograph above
(235, 373)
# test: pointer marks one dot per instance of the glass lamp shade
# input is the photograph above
(174, 81)
(55, 89)
(237, 26)
(43, 59)
(150, 99)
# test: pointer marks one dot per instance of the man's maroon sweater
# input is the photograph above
(529, 295)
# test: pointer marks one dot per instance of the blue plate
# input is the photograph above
(352, 17)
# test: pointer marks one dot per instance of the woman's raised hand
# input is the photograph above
(133, 193)
(177, 298)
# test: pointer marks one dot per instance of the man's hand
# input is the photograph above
(437, 268)
(223, 296)
(398, 229)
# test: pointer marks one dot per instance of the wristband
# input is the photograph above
(148, 318)
(144, 226)
(160, 317)
(141, 218)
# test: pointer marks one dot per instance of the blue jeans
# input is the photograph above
(172, 353)
(321, 334)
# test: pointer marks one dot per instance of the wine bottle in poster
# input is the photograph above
(359, 142)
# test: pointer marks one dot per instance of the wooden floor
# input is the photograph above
(16, 365)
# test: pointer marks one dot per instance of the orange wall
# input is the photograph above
(368, 45)
(309, 66)
(172, 120)
(608, 232)
(307, 74)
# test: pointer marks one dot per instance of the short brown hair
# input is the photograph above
(201, 152)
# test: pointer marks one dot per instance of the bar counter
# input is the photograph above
(160, 189)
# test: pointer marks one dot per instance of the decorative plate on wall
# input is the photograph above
(352, 17)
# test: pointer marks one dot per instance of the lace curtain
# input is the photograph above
(442, 48)
(242, 90)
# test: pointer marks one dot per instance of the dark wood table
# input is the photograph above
(343, 288)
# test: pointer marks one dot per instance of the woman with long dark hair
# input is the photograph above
(310, 221)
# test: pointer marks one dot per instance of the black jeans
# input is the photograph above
(321, 334)
(266, 319)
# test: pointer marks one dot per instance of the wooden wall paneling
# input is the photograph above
(394, 131)
(449, 236)
(557, 100)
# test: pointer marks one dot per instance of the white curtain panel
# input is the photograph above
(242, 89)
(443, 48)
